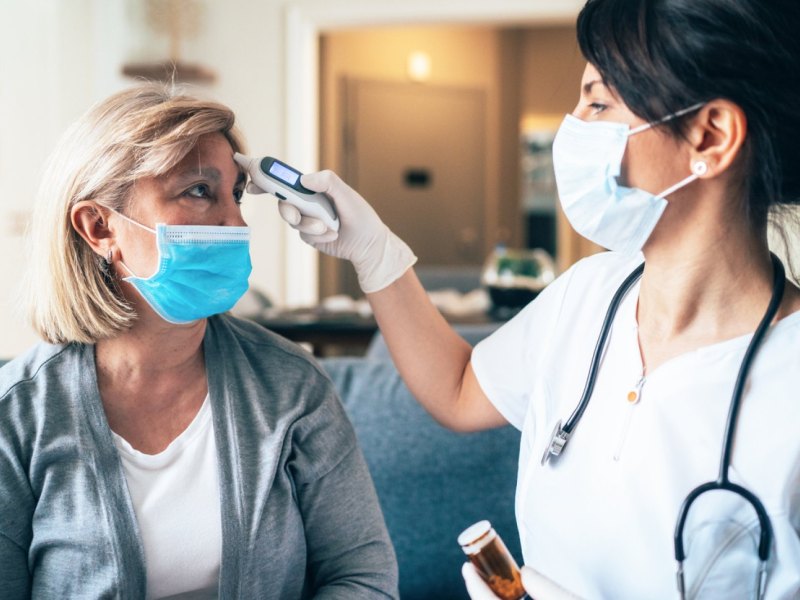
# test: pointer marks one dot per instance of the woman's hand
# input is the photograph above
(379, 256)
(537, 586)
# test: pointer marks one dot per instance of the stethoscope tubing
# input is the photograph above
(778, 285)
(600, 347)
(722, 482)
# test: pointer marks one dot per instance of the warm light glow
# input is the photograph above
(540, 122)
(419, 66)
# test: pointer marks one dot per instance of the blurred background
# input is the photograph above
(440, 113)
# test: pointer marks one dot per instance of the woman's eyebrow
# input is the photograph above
(208, 173)
(587, 87)
(211, 173)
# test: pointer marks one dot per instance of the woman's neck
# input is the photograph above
(152, 355)
(152, 380)
(707, 283)
(153, 346)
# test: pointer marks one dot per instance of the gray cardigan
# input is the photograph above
(300, 517)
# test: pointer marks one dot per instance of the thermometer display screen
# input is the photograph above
(284, 173)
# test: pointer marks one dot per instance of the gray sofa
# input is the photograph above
(432, 483)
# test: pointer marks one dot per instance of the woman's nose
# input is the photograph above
(232, 216)
(237, 221)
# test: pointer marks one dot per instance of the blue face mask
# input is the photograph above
(587, 158)
(202, 270)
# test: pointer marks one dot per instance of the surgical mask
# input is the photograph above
(202, 270)
(587, 157)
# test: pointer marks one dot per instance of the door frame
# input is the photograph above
(305, 21)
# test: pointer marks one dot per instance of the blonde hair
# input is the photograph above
(144, 131)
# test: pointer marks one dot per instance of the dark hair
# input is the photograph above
(661, 56)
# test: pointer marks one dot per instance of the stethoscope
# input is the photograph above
(561, 435)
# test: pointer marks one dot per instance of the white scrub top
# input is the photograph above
(600, 519)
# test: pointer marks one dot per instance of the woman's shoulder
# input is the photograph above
(779, 356)
(32, 389)
(269, 354)
(275, 376)
(588, 284)
(42, 361)
(255, 339)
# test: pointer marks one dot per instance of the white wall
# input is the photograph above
(51, 69)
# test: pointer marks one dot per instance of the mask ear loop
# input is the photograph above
(680, 113)
(145, 227)
(699, 168)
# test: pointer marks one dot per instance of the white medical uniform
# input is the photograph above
(600, 519)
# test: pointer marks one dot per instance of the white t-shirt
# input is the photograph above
(600, 519)
(175, 496)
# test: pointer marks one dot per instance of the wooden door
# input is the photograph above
(417, 153)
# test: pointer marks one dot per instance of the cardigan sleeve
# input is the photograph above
(350, 555)
(16, 502)
(15, 580)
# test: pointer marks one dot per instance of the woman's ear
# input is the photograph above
(91, 222)
(717, 135)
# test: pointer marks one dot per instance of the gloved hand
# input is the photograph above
(378, 255)
(537, 586)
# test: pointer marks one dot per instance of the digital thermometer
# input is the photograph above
(283, 182)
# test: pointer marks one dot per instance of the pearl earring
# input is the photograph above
(700, 168)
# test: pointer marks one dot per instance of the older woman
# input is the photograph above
(682, 145)
(153, 447)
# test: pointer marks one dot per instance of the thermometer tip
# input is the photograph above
(241, 159)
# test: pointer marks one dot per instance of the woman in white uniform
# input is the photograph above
(683, 143)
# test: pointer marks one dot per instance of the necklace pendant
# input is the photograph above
(633, 398)
(635, 394)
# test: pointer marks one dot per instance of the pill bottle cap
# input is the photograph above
(476, 536)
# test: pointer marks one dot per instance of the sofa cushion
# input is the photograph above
(432, 482)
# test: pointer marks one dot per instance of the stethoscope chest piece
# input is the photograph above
(558, 439)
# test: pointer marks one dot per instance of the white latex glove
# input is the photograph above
(537, 586)
(378, 255)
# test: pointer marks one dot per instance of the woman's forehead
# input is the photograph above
(590, 73)
(210, 146)
(211, 154)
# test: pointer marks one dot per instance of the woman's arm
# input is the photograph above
(15, 500)
(350, 555)
(15, 580)
(432, 359)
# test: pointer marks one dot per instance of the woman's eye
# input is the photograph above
(237, 195)
(598, 107)
(201, 190)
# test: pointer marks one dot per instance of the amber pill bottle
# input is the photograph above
(493, 561)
